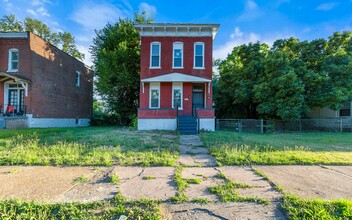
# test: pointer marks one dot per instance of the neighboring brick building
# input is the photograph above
(176, 70)
(40, 85)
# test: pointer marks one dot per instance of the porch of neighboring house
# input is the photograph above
(13, 101)
(176, 102)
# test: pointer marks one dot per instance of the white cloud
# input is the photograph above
(251, 11)
(238, 38)
(42, 11)
(97, 16)
(31, 11)
(251, 5)
(88, 56)
(237, 33)
(8, 5)
(149, 9)
(326, 6)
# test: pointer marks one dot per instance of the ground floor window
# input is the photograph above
(345, 110)
(154, 94)
(177, 95)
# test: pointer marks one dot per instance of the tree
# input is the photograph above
(287, 81)
(10, 23)
(279, 91)
(238, 75)
(116, 57)
(64, 40)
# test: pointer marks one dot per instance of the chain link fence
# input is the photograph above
(302, 125)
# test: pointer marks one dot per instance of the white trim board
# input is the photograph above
(175, 77)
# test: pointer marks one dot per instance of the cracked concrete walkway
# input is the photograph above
(193, 152)
(59, 184)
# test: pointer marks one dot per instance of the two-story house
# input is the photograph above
(176, 74)
(40, 85)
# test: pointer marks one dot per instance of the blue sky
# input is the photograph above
(241, 21)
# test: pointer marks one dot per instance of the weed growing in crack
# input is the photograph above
(148, 178)
(180, 197)
(115, 179)
(265, 177)
(201, 200)
(228, 192)
(81, 179)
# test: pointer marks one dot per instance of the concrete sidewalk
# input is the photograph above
(60, 184)
(88, 184)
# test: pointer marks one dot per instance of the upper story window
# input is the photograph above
(13, 60)
(177, 55)
(78, 79)
(154, 95)
(199, 55)
(155, 55)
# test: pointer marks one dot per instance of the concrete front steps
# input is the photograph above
(187, 125)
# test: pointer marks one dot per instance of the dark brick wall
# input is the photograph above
(52, 74)
(54, 91)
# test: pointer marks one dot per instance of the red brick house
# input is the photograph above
(40, 85)
(176, 74)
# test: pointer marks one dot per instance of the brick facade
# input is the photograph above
(51, 74)
(194, 82)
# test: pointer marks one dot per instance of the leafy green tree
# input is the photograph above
(10, 23)
(64, 40)
(116, 57)
(279, 91)
(239, 74)
(291, 79)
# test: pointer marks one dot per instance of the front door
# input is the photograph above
(16, 99)
(198, 96)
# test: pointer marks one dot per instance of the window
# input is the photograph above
(177, 55)
(13, 60)
(345, 110)
(177, 95)
(78, 79)
(155, 55)
(199, 55)
(154, 101)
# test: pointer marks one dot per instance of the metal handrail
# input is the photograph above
(177, 120)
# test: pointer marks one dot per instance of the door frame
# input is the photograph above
(203, 91)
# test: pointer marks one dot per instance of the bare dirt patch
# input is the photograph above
(310, 181)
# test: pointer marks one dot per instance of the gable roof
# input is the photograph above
(175, 77)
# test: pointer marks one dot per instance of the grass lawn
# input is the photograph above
(297, 208)
(230, 148)
(88, 146)
(142, 209)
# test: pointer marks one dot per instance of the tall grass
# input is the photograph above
(297, 208)
(29, 150)
(268, 155)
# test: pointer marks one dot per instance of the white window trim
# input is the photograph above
(10, 60)
(154, 86)
(173, 55)
(78, 76)
(194, 55)
(6, 92)
(177, 85)
(150, 57)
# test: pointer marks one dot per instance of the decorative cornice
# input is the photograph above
(22, 35)
(177, 29)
